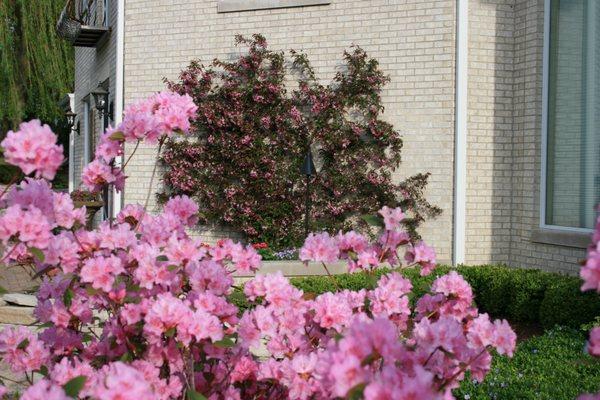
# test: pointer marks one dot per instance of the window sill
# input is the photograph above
(561, 238)
(226, 6)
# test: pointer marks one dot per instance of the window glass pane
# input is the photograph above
(573, 163)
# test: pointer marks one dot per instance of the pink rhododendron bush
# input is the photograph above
(590, 273)
(137, 309)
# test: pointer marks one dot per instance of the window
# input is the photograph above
(572, 114)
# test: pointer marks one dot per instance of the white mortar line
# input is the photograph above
(460, 131)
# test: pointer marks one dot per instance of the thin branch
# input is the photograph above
(335, 283)
(160, 144)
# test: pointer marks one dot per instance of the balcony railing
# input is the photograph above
(84, 23)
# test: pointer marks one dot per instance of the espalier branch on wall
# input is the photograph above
(252, 133)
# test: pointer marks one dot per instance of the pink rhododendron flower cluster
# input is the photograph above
(33, 148)
(590, 273)
(162, 114)
(137, 309)
(360, 255)
(153, 119)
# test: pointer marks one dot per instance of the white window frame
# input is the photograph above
(544, 163)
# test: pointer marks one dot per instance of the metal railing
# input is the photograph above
(78, 14)
(86, 12)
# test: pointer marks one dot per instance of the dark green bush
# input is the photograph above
(565, 304)
(511, 293)
(491, 286)
(322, 284)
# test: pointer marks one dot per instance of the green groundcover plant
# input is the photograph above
(257, 117)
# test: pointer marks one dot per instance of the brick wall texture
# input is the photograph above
(414, 41)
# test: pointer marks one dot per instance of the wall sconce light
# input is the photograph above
(71, 118)
(100, 95)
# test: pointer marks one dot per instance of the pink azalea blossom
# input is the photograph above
(96, 175)
(183, 208)
(594, 342)
(45, 390)
(108, 148)
(122, 382)
(423, 255)
(33, 148)
(319, 247)
(392, 217)
(101, 272)
(505, 338)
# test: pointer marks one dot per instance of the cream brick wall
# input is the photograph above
(489, 138)
(413, 40)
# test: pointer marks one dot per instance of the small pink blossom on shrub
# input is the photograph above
(505, 339)
(22, 350)
(98, 174)
(594, 342)
(590, 274)
(33, 148)
(30, 227)
(392, 217)
(423, 255)
(161, 114)
(182, 208)
(319, 247)
(108, 148)
(44, 390)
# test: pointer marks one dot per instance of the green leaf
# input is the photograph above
(117, 136)
(3, 290)
(37, 253)
(132, 287)
(23, 345)
(74, 386)
(43, 370)
(356, 392)
(193, 395)
(224, 343)
(170, 332)
(172, 268)
(370, 358)
(68, 297)
(372, 220)
(162, 258)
